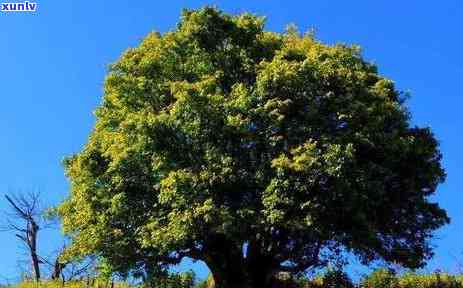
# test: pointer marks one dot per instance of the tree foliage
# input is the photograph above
(252, 151)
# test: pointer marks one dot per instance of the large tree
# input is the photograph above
(252, 151)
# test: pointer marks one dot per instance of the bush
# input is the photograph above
(71, 284)
(435, 280)
(337, 279)
(206, 283)
(385, 279)
(174, 280)
(381, 278)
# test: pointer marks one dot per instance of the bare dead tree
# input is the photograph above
(54, 264)
(68, 270)
(24, 221)
(80, 269)
(58, 267)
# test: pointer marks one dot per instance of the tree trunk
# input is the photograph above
(241, 277)
(259, 266)
(230, 269)
(32, 239)
(228, 279)
(225, 261)
(35, 266)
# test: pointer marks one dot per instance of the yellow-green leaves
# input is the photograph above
(303, 158)
(309, 158)
(276, 202)
(177, 189)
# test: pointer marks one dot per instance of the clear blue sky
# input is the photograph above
(53, 62)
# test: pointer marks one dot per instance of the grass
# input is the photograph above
(381, 278)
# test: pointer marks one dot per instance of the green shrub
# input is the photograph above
(336, 279)
(174, 280)
(381, 278)
(385, 279)
(435, 280)
(206, 283)
(71, 284)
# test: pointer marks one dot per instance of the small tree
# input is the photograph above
(252, 151)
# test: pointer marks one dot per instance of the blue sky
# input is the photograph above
(53, 62)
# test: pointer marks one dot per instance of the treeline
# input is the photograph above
(381, 278)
